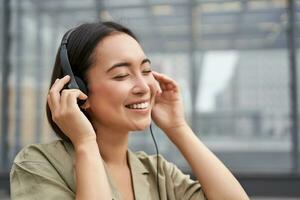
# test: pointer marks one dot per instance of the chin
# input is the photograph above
(141, 125)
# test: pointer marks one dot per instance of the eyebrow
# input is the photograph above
(126, 64)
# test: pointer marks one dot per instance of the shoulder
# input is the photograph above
(46, 152)
(49, 160)
(47, 166)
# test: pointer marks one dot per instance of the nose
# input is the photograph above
(141, 86)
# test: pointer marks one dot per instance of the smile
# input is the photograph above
(143, 105)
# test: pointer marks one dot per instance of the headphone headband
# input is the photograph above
(75, 82)
(65, 38)
(64, 59)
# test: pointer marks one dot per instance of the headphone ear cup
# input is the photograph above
(82, 86)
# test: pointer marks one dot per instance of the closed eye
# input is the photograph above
(148, 71)
(120, 77)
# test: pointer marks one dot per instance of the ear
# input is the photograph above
(86, 104)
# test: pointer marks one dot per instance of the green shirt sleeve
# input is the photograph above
(33, 177)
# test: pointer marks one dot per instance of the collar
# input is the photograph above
(136, 164)
(139, 174)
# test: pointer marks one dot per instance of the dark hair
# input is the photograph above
(81, 45)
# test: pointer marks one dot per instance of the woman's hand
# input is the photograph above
(168, 112)
(67, 114)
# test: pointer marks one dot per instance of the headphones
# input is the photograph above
(75, 82)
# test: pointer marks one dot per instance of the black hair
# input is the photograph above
(81, 46)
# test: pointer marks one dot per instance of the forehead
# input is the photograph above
(118, 47)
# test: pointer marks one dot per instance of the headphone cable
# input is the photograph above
(157, 159)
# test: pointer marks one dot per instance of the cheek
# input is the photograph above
(108, 96)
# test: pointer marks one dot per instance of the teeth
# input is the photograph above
(139, 105)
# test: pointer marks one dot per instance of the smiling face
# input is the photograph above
(121, 86)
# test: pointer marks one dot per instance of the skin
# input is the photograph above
(104, 140)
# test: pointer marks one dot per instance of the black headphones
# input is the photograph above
(75, 81)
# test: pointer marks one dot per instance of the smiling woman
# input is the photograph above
(121, 77)
(92, 160)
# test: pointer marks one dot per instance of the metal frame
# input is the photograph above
(293, 85)
(5, 93)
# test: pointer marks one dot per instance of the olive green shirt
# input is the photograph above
(46, 171)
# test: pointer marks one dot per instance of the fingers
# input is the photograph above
(60, 83)
(54, 92)
(58, 100)
(159, 90)
(165, 82)
(69, 98)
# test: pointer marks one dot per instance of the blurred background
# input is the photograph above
(235, 60)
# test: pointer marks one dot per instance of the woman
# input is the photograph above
(92, 161)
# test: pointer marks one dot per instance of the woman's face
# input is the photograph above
(122, 88)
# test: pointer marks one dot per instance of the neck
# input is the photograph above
(113, 145)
